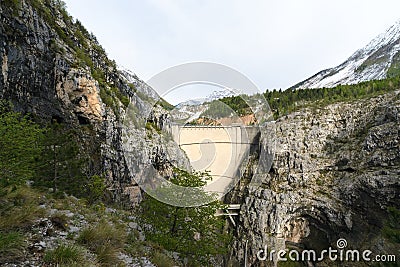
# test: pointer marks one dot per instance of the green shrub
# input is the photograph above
(99, 76)
(394, 70)
(391, 229)
(133, 87)
(12, 3)
(63, 161)
(124, 99)
(84, 59)
(164, 104)
(96, 188)
(81, 39)
(150, 126)
(20, 146)
(173, 228)
(108, 98)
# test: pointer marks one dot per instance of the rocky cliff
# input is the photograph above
(55, 70)
(335, 175)
(336, 168)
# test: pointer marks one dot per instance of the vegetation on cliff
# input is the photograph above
(20, 148)
(225, 106)
(70, 37)
(194, 232)
(287, 101)
(51, 158)
(284, 102)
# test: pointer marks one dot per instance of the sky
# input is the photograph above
(275, 43)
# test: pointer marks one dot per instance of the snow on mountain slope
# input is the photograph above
(213, 96)
(377, 60)
(192, 109)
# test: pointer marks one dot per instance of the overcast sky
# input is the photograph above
(276, 43)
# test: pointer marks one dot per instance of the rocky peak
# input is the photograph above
(379, 59)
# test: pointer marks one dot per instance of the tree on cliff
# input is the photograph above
(65, 165)
(61, 160)
(19, 146)
(194, 232)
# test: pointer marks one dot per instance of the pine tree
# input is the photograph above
(19, 146)
(61, 161)
(196, 233)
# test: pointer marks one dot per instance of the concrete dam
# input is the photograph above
(220, 150)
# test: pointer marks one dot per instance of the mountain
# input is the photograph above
(377, 60)
(192, 109)
(53, 69)
(217, 94)
(334, 164)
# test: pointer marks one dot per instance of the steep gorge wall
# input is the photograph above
(56, 71)
(335, 173)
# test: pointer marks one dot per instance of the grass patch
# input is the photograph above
(19, 208)
(65, 254)
(102, 234)
(161, 260)
(134, 246)
(107, 255)
(20, 217)
(11, 246)
(105, 240)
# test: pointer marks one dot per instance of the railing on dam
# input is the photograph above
(248, 134)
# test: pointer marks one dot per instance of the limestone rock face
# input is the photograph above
(54, 70)
(81, 92)
(335, 170)
(334, 174)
